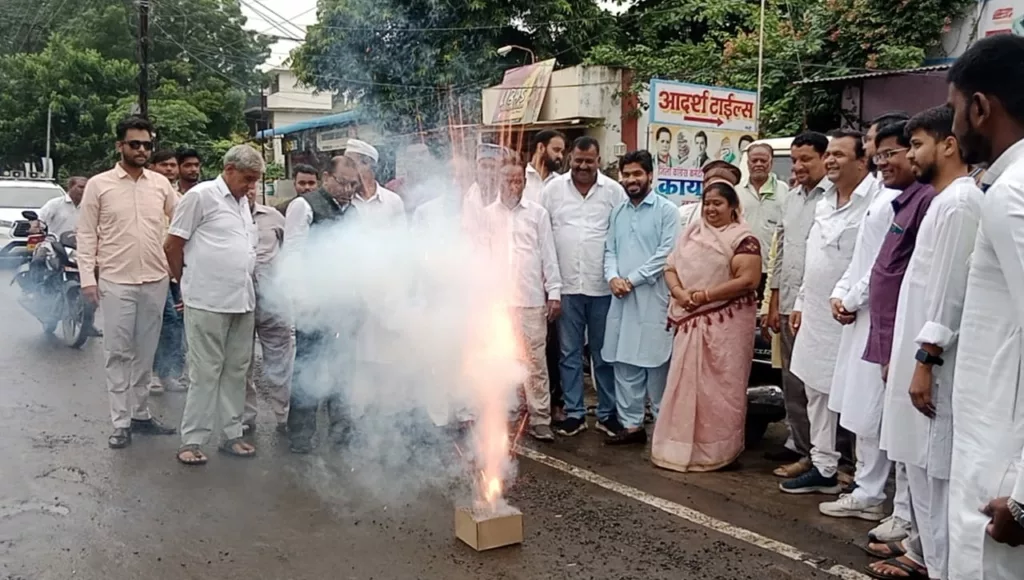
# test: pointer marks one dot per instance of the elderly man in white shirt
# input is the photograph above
(580, 204)
(377, 204)
(830, 248)
(520, 236)
(762, 196)
(60, 214)
(211, 248)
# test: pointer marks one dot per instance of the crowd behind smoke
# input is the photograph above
(416, 343)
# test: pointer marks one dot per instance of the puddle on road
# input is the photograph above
(53, 509)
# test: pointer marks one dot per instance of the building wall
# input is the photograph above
(292, 95)
(868, 98)
(986, 18)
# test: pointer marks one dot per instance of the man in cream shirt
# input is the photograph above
(762, 196)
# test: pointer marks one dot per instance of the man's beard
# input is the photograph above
(552, 165)
(644, 190)
(130, 161)
(974, 147)
(927, 175)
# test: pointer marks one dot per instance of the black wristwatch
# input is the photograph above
(1016, 511)
(925, 357)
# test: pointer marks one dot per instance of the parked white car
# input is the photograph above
(16, 196)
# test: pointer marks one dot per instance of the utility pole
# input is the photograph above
(49, 128)
(143, 58)
(263, 142)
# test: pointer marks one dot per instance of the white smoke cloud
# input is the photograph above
(417, 337)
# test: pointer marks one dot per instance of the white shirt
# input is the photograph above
(60, 215)
(763, 210)
(385, 207)
(688, 212)
(535, 183)
(857, 391)
(930, 305)
(988, 393)
(521, 236)
(270, 226)
(830, 247)
(220, 255)
(580, 226)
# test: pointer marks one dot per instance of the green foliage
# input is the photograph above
(717, 44)
(419, 64)
(81, 55)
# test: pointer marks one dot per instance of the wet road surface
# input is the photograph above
(70, 508)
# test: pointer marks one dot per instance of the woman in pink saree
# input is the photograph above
(712, 273)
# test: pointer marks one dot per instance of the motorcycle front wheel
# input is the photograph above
(76, 326)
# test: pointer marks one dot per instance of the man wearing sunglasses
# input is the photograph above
(121, 226)
(308, 216)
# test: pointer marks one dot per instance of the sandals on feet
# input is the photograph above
(912, 572)
(893, 550)
(195, 455)
(238, 448)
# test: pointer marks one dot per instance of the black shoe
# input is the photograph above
(301, 446)
(610, 427)
(627, 437)
(782, 455)
(571, 427)
(120, 439)
(151, 427)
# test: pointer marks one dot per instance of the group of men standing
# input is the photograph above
(894, 292)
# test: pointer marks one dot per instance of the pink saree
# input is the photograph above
(704, 408)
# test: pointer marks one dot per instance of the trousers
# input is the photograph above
(584, 317)
(633, 386)
(169, 361)
(532, 328)
(795, 396)
(278, 347)
(823, 424)
(132, 317)
(928, 543)
(873, 467)
(313, 382)
(219, 354)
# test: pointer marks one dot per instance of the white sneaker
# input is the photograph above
(848, 506)
(892, 529)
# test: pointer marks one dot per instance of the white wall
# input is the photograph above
(292, 95)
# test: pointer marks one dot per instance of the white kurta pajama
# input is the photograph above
(857, 387)
(830, 248)
(930, 307)
(988, 389)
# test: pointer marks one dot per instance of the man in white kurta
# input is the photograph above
(986, 487)
(857, 388)
(927, 323)
(830, 247)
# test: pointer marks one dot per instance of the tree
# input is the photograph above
(416, 65)
(717, 43)
(203, 64)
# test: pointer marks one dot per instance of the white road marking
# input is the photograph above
(693, 516)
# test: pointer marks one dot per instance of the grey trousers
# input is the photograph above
(277, 343)
(132, 317)
(219, 353)
(796, 398)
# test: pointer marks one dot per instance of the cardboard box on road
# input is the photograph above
(486, 531)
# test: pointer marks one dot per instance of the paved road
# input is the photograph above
(72, 509)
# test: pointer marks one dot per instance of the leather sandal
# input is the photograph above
(913, 573)
(196, 455)
(793, 470)
(230, 447)
(895, 550)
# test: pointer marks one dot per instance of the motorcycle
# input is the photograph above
(51, 287)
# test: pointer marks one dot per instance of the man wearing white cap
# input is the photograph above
(375, 202)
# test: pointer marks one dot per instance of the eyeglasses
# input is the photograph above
(147, 145)
(887, 155)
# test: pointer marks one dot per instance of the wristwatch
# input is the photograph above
(925, 357)
(1016, 511)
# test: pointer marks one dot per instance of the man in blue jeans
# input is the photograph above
(580, 203)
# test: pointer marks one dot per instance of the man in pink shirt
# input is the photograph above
(121, 226)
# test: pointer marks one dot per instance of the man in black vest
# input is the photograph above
(327, 206)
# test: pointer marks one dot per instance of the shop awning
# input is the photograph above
(573, 123)
(921, 70)
(346, 118)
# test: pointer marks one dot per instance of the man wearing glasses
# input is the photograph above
(121, 226)
(309, 215)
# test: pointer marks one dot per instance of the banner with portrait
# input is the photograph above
(691, 125)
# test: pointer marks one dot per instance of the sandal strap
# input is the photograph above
(909, 569)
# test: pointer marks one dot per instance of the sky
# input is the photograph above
(295, 15)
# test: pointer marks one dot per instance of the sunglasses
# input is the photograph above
(147, 145)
